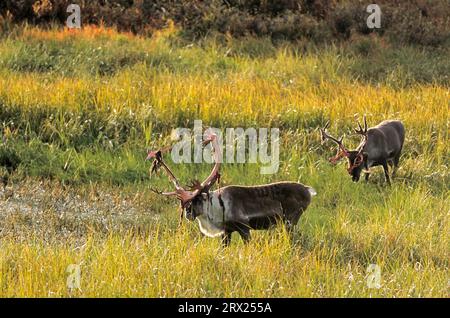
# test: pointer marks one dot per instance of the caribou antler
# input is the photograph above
(342, 151)
(214, 175)
(163, 193)
(360, 130)
(205, 185)
(158, 163)
(363, 133)
(187, 196)
(183, 195)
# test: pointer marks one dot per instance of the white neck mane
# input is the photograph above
(211, 224)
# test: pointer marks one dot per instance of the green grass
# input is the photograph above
(79, 110)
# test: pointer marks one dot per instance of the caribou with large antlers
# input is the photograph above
(236, 208)
(380, 145)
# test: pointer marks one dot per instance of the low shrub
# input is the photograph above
(422, 22)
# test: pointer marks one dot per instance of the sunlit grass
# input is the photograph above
(325, 257)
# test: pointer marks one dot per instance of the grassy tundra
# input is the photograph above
(78, 110)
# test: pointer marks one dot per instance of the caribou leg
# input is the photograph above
(289, 227)
(226, 239)
(386, 172)
(181, 217)
(245, 234)
(366, 173)
(396, 160)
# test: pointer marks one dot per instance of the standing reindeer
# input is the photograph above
(237, 208)
(380, 145)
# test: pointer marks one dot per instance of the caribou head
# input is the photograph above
(192, 197)
(356, 157)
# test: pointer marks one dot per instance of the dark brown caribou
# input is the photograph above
(236, 208)
(380, 145)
